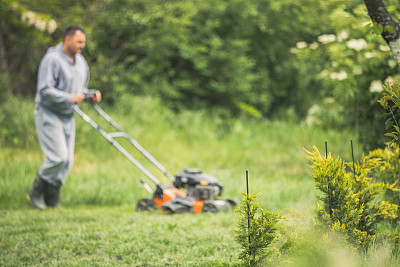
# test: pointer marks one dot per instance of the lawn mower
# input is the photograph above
(191, 190)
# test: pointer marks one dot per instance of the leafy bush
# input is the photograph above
(350, 63)
(194, 54)
(387, 170)
(17, 126)
(349, 198)
(23, 35)
(390, 101)
(257, 231)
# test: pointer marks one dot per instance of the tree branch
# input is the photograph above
(379, 14)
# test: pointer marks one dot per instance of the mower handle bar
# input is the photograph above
(110, 138)
(122, 133)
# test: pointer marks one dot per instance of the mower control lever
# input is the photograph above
(89, 95)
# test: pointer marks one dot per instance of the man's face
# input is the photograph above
(75, 43)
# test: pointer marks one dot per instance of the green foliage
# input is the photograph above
(257, 231)
(377, 28)
(3, 87)
(256, 57)
(350, 63)
(386, 169)
(193, 53)
(230, 53)
(190, 53)
(17, 128)
(23, 35)
(390, 101)
(349, 198)
(339, 211)
(27, 29)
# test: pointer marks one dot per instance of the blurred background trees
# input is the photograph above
(316, 62)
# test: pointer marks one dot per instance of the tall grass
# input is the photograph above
(97, 224)
(272, 151)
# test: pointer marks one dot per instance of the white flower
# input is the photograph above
(314, 46)
(357, 70)
(389, 80)
(392, 63)
(376, 86)
(312, 112)
(40, 24)
(343, 36)
(357, 44)
(338, 75)
(370, 55)
(29, 17)
(384, 48)
(301, 45)
(323, 74)
(314, 109)
(310, 120)
(327, 38)
(51, 26)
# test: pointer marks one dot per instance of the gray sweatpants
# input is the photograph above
(57, 139)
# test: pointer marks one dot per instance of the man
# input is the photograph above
(62, 81)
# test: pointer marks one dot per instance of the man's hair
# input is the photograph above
(71, 30)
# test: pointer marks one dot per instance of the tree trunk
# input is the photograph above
(391, 29)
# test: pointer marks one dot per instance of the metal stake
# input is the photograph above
(326, 149)
(248, 209)
(329, 182)
(352, 155)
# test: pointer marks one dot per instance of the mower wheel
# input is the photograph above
(210, 207)
(232, 202)
(146, 204)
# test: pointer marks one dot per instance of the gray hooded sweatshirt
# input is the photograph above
(59, 79)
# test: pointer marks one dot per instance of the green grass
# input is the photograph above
(97, 224)
(117, 236)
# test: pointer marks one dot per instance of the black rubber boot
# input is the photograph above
(52, 196)
(35, 195)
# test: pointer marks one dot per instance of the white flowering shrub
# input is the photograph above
(354, 62)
